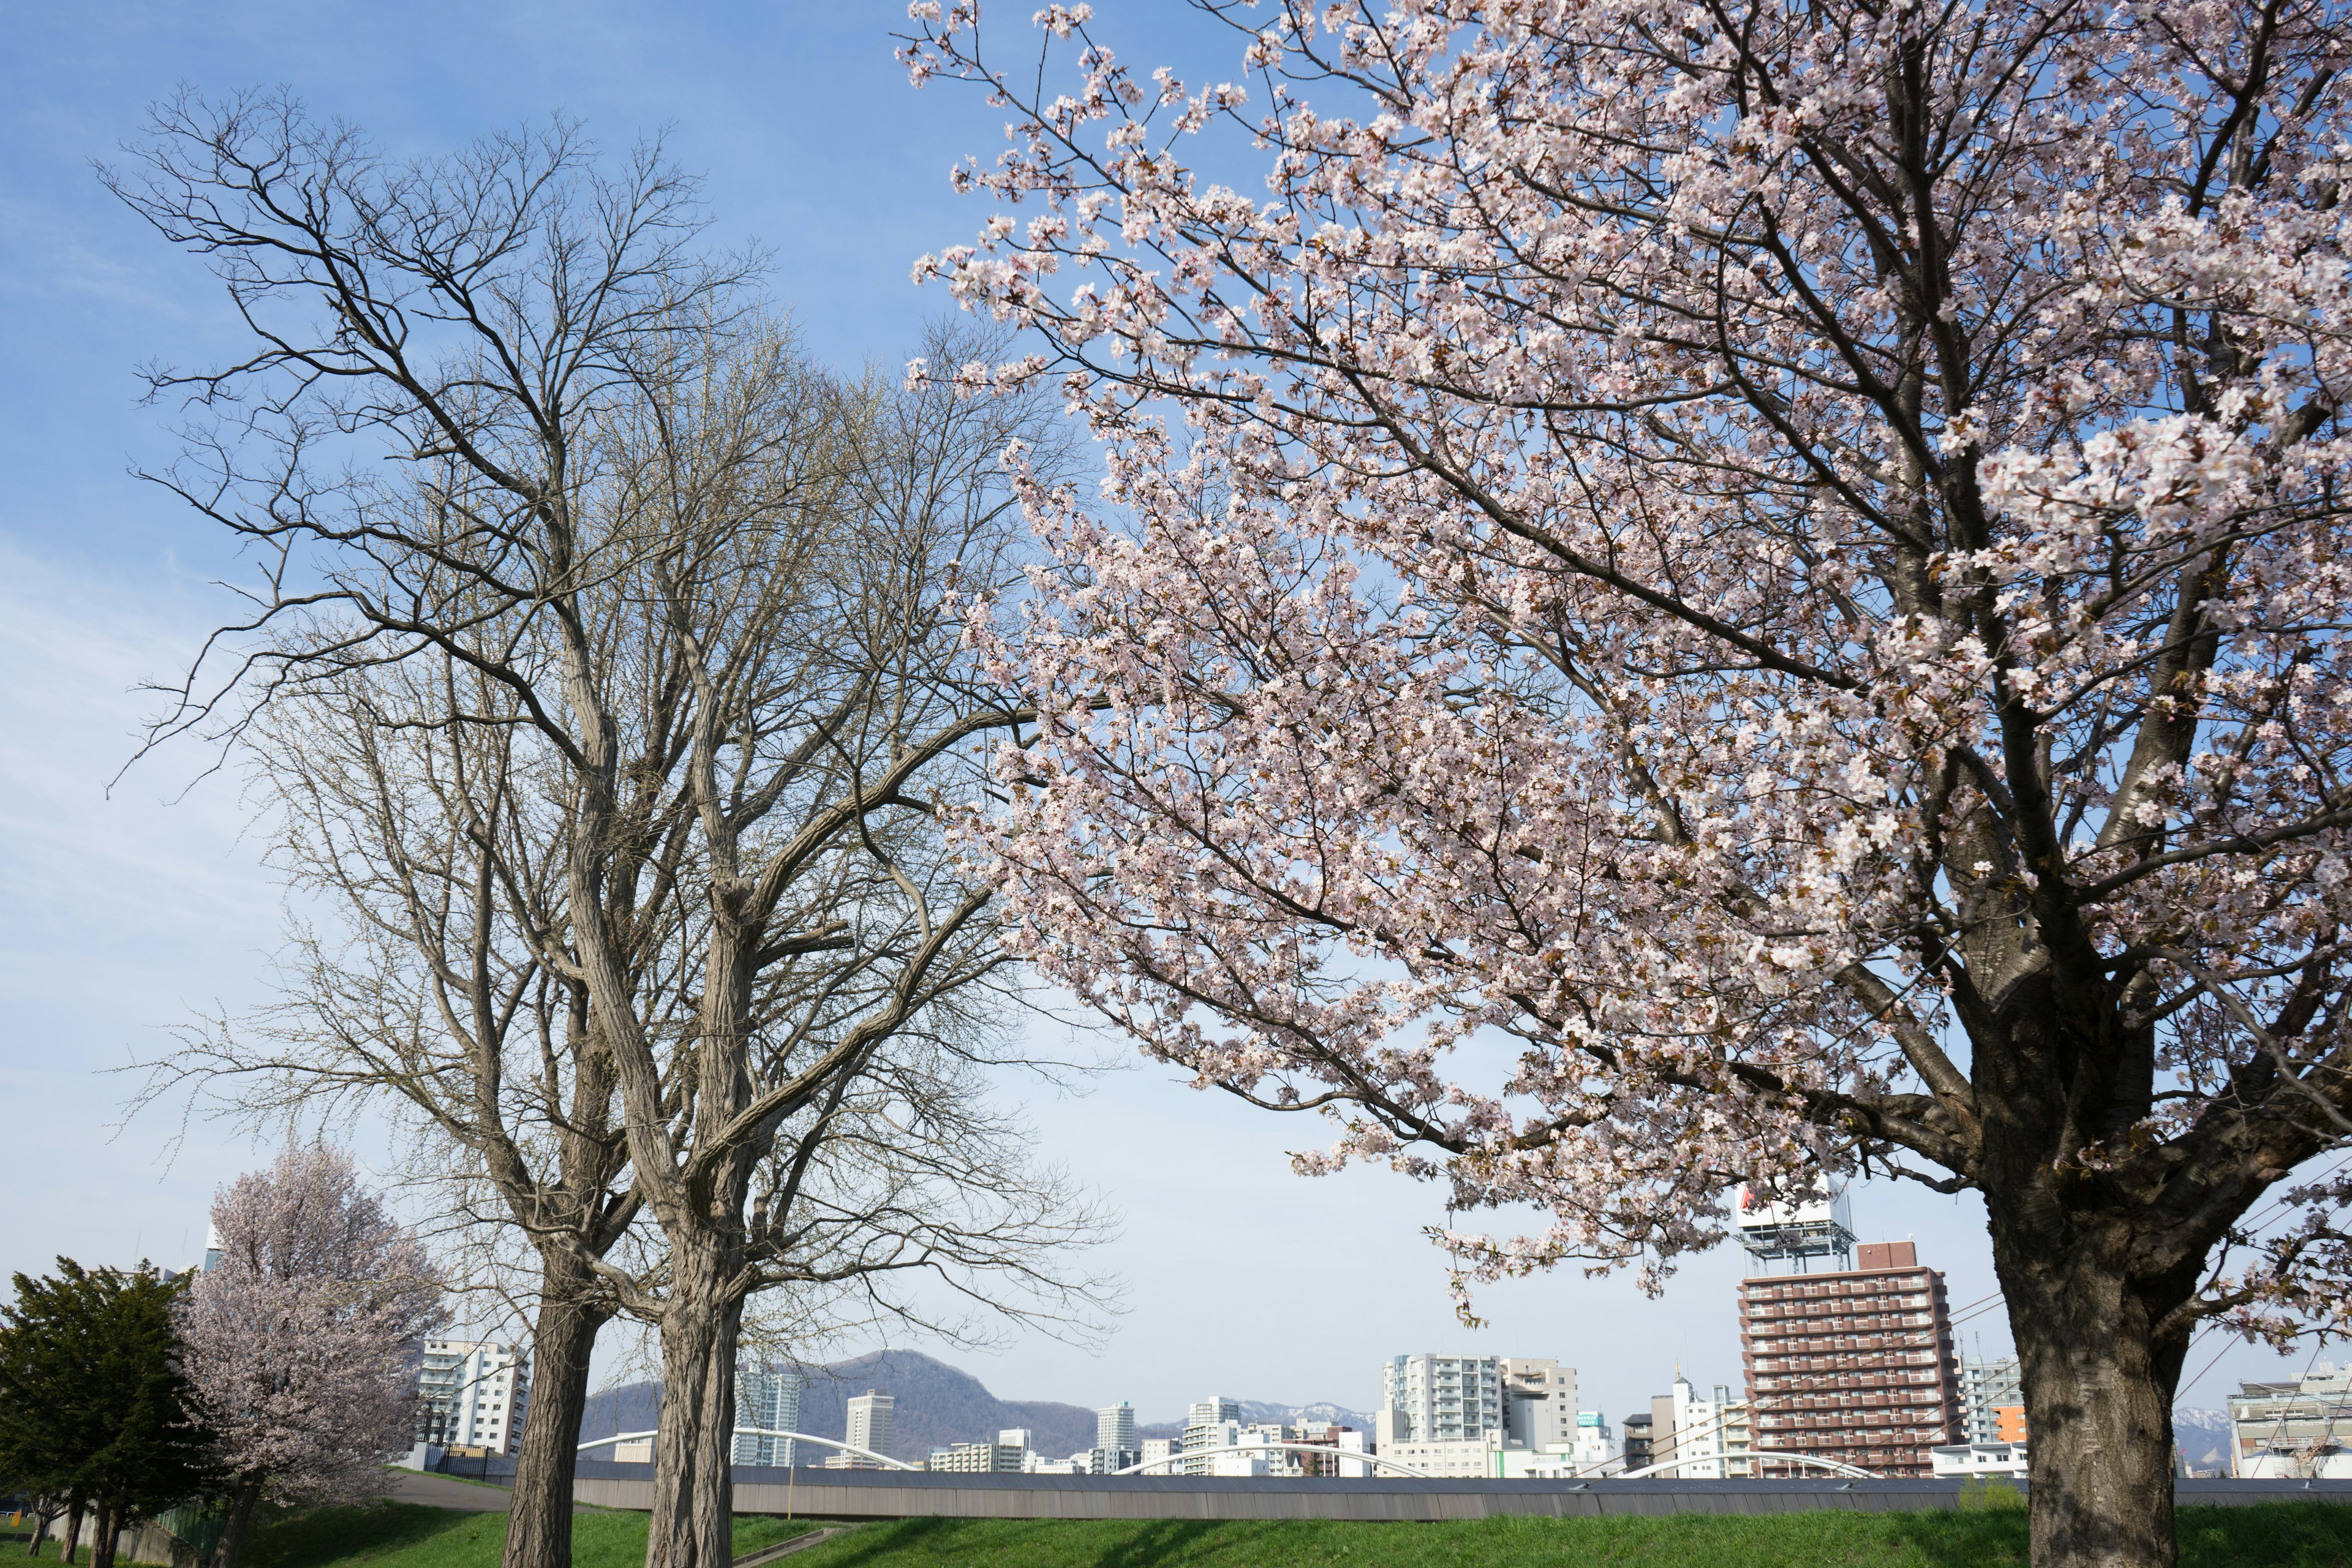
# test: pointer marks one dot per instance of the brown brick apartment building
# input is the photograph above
(1855, 1366)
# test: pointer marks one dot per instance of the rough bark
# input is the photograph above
(538, 1527)
(72, 1542)
(2095, 1293)
(2100, 1383)
(240, 1514)
(691, 1526)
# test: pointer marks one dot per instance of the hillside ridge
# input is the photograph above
(938, 1405)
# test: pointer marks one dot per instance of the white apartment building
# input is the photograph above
(1156, 1451)
(1205, 1426)
(473, 1394)
(1432, 1399)
(2301, 1429)
(999, 1457)
(869, 1427)
(1596, 1446)
(767, 1398)
(1266, 1456)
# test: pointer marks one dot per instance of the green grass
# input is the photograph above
(405, 1535)
(2305, 1535)
(409, 1535)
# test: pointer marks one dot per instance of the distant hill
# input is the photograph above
(2203, 1436)
(938, 1405)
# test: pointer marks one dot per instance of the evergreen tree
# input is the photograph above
(92, 1406)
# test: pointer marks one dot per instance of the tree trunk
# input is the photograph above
(538, 1527)
(714, 1502)
(72, 1542)
(2098, 1383)
(240, 1514)
(45, 1514)
(101, 1535)
(678, 1535)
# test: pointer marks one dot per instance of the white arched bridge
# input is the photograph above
(1778, 1456)
(766, 1432)
(1324, 1448)
(1395, 1467)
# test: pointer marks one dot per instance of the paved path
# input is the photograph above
(446, 1491)
(784, 1549)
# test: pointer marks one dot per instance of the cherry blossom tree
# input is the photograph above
(300, 1345)
(1711, 594)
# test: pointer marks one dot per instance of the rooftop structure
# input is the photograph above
(1795, 1232)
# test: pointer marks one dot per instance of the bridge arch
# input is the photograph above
(1397, 1465)
(767, 1431)
(1853, 1472)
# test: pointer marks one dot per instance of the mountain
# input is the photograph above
(2203, 1436)
(937, 1405)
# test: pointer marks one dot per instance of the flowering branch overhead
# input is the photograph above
(1785, 561)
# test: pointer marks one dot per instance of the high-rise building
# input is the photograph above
(1855, 1366)
(1539, 1402)
(1207, 1411)
(767, 1398)
(869, 1427)
(473, 1394)
(1441, 1398)
(1115, 1446)
(1992, 1403)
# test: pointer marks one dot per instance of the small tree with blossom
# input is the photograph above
(302, 1345)
(1721, 591)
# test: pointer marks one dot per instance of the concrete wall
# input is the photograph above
(869, 1494)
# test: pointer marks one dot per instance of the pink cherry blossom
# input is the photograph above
(1695, 595)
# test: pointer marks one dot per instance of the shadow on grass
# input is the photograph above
(2315, 1535)
(1164, 1543)
(2289, 1535)
(2277, 1535)
(331, 1534)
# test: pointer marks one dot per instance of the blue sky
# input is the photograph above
(123, 917)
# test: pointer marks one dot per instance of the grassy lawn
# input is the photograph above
(2307, 1535)
(406, 1535)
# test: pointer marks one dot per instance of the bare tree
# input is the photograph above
(710, 595)
(430, 845)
